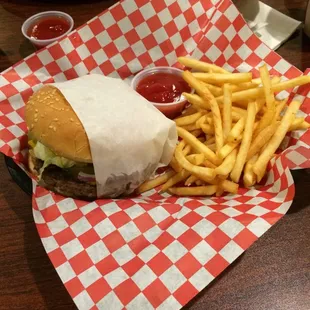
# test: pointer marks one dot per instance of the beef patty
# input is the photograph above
(60, 181)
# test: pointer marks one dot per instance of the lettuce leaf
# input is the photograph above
(50, 158)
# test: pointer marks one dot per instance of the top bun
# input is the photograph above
(52, 121)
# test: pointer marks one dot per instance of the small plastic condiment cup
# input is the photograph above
(173, 109)
(37, 17)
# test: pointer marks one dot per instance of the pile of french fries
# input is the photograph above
(230, 132)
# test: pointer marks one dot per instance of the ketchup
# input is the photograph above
(162, 87)
(48, 28)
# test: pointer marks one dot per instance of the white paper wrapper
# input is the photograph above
(128, 136)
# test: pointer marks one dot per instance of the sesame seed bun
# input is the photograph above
(51, 121)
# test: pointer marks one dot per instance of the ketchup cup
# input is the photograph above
(170, 109)
(31, 22)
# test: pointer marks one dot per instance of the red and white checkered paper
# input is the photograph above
(153, 251)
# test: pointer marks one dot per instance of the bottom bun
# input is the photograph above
(58, 180)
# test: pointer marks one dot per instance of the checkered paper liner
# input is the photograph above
(152, 251)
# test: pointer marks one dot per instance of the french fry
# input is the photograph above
(196, 159)
(245, 143)
(242, 86)
(181, 145)
(243, 104)
(275, 80)
(247, 85)
(227, 165)
(186, 150)
(227, 149)
(175, 179)
(148, 185)
(215, 90)
(280, 104)
(255, 93)
(201, 120)
(196, 144)
(202, 173)
(200, 65)
(279, 107)
(235, 116)
(208, 97)
(237, 130)
(199, 182)
(261, 139)
(303, 126)
(222, 177)
(208, 164)
(174, 165)
(269, 115)
(189, 111)
(227, 116)
(210, 120)
(249, 177)
(210, 141)
(296, 123)
(208, 129)
(191, 180)
(207, 190)
(219, 190)
(212, 147)
(259, 104)
(221, 78)
(260, 165)
(196, 101)
(188, 120)
(265, 121)
(240, 111)
(190, 127)
(268, 91)
(229, 186)
(298, 81)
(196, 132)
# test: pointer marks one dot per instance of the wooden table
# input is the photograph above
(273, 274)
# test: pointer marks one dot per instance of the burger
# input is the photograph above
(95, 137)
(59, 152)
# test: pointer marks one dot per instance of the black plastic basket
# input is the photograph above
(18, 175)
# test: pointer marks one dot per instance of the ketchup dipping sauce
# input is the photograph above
(163, 86)
(46, 27)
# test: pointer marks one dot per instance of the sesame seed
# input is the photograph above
(54, 128)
